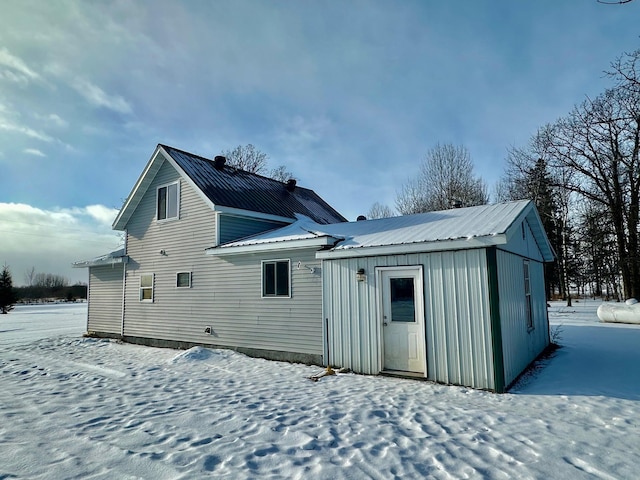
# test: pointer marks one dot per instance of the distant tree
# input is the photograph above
(247, 158)
(378, 210)
(50, 280)
(281, 174)
(7, 297)
(29, 276)
(445, 179)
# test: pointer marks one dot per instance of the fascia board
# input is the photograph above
(139, 189)
(269, 247)
(252, 214)
(97, 263)
(423, 247)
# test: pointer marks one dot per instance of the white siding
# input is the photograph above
(457, 323)
(225, 294)
(520, 346)
(105, 299)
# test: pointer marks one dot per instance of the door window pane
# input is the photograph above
(403, 302)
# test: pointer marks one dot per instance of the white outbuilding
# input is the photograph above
(454, 296)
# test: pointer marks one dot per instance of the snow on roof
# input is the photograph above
(473, 226)
(117, 256)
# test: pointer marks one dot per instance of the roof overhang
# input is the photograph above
(420, 247)
(140, 188)
(315, 242)
(251, 214)
(100, 261)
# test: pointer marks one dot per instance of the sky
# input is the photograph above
(349, 96)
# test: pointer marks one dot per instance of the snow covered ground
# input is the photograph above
(73, 407)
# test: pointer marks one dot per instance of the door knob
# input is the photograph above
(385, 324)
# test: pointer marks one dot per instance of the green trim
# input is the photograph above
(496, 327)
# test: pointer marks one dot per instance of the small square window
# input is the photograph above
(167, 199)
(146, 287)
(183, 280)
(275, 278)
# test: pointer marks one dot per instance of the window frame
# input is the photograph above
(526, 274)
(166, 207)
(143, 288)
(275, 262)
(178, 277)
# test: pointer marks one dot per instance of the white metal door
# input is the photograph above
(403, 319)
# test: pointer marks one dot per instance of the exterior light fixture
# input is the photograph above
(360, 275)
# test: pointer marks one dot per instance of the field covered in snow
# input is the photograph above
(73, 407)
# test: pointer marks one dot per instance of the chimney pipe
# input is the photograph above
(219, 161)
(291, 185)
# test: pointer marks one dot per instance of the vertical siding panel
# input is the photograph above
(458, 347)
(520, 347)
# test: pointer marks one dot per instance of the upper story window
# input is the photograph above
(168, 199)
(276, 278)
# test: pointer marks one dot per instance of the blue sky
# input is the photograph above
(348, 95)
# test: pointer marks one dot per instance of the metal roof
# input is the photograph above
(118, 256)
(235, 188)
(231, 189)
(456, 228)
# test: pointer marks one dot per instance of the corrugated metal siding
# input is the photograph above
(520, 347)
(457, 324)
(105, 299)
(525, 246)
(225, 294)
(234, 227)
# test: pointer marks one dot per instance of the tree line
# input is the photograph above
(39, 286)
(583, 173)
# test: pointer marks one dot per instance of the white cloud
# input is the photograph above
(51, 240)
(19, 70)
(99, 98)
(53, 119)
(34, 151)
(29, 132)
(104, 215)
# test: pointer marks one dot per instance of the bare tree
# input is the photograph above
(29, 276)
(445, 178)
(599, 141)
(379, 210)
(281, 174)
(247, 158)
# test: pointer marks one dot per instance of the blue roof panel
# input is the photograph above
(235, 188)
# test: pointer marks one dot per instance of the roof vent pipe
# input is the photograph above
(219, 162)
(291, 185)
(360, 218)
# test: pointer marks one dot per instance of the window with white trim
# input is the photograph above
(276, 278)
(527, 294)
(183, 280)
(167, 201)
(146, 287)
